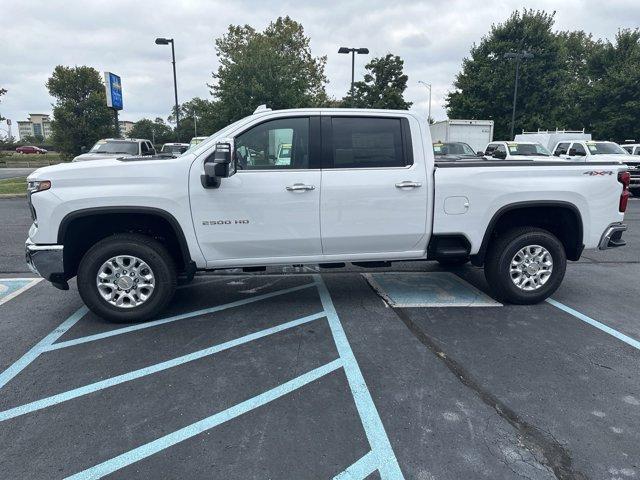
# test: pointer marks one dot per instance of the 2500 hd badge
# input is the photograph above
(225, 222)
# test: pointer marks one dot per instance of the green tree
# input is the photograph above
(155, 130)
(383, 86)
(200, 113)
(612, 104)
(484, 87)
(81, 116)
(274, 67)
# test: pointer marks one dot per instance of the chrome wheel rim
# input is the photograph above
(531, 267)
(125, 281)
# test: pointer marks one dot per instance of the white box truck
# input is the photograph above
(476, 133)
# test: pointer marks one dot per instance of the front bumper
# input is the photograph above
(48, 262)
(612, 236)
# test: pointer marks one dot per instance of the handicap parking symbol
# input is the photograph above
(12, 287)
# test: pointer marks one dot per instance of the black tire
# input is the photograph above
(498, 261)
(453, 262)
(146, 249)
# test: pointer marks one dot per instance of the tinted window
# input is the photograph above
(637, 151)
(263, 146)
(561, 149)
(367, 142)
(628, 149)
(115, 146)
(579, 149)
(144, 148)
(490, 148)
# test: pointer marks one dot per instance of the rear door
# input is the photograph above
(374, 186)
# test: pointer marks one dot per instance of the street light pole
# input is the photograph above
(353, 51)
(519, 56)
(166, 41)
(429, 86)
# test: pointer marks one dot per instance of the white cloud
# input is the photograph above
(431, 36)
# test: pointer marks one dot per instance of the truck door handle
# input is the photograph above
(299, 186)
(407, 184)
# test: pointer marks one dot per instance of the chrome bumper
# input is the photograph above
(612, 236)
(47, 261)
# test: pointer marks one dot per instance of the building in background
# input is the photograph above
(38, 125)
(125, 127)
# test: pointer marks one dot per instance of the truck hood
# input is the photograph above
(64, 170)
(99, 156)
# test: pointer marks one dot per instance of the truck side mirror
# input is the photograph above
(220, 164)
(480, 154)
(500, 155)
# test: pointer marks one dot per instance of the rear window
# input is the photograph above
(367, 142)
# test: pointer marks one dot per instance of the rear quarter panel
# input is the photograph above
(490, 188)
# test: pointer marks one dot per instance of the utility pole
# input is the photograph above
(519, 56)
(353, 51)
(428, 85)
(166, 41)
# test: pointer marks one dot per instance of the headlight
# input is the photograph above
(38, 186)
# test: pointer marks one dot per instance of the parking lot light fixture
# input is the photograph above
(167, 41)
(518, 56)
(353, 51)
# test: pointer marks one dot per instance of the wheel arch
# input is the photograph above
(561, 218)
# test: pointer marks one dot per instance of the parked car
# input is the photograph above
(550, 138)
(174, 149)
(517, 151)
(196, 140)
(634, 166)
(454, 151)
(591, 151)
(284, 154)
(31, 149)
(475, 133)
(116, 148)
(361, 187)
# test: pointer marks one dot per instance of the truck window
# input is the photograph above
(144, 150)
(579, 149)
(628, 149)
(262, 147)
(490, 148)
(367, 142)
(561, 149)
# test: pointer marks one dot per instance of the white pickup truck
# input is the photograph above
(359, 186)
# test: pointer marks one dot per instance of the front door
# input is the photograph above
(374, 195)
(268, 212)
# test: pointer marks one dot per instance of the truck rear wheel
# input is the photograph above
(525, 265)
(127, 278)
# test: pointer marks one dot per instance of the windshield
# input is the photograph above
(115, 146)
(452, 148)
(531, 149)
(173, 149)
(602, 148)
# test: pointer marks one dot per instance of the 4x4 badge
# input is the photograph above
(593, 173)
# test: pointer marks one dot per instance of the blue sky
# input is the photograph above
(431, 36)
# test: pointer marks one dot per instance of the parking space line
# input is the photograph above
(40, 347)
(600, 326)
(30, 283)
(175, 318)
(142, 372)
(360, 469)
(201, 426)
(386, 460)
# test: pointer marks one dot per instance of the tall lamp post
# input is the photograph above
(519, 56)
(428, 85)
(353, 51)
(167, 41)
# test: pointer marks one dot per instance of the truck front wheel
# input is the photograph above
(127, 278)
(525, 265)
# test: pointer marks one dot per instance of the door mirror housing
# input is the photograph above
(500, 155)
(220, 164)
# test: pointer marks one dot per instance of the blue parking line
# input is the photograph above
(360, 469)
(386, 460)
(40, 347)
(201, 426)
(600, 326)
(142, 372)
(163, 321)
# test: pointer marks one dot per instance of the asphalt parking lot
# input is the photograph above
(299, 374)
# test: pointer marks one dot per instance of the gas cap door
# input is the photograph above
(456, 205)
